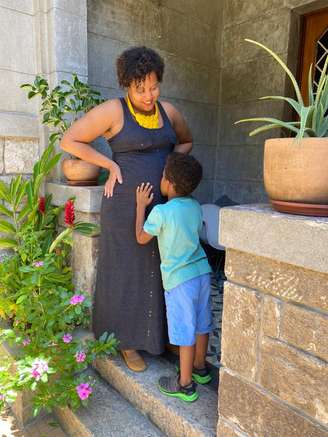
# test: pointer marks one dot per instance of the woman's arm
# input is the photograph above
(89, 127)
(181, 129)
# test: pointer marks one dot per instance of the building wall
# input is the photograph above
(45, 37)
(187, 35)
(248, 73)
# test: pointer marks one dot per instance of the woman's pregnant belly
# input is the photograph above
(138, 167)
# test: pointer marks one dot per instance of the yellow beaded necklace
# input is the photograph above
(150, 121)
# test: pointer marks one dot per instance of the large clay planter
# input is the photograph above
(296, 175)
(78, 172)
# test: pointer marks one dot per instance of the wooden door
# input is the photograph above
(314, 47)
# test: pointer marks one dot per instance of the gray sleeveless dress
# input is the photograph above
(129, 298)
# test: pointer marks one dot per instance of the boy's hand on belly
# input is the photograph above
(144, 195)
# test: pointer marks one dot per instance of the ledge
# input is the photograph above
(261, 231)
(88, 199)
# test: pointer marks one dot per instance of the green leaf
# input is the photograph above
(310, 87)
(4, 192)
(284, 66)
(23, 213)
(5, 211)
(31, 94)
(30, 196)
(7, 227)
(86, 228)
(305, 111)
(59, 238)
(292, 102)
(52, 163)
(7, 243)
(279, 123)
(21, 298)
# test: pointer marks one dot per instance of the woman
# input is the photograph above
(141, 132)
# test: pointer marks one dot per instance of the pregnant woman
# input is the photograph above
(141, 132)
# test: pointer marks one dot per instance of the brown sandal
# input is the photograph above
(133, 360)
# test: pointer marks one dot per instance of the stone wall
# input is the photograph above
(187, 35)
(274, 375)
(248, 73)
(19, 143)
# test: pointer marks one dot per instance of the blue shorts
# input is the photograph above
(188, 309)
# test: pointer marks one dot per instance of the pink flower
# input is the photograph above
(80, 357)
(67, 338)
(84, 391)
(38, 264)
(26, 341)
(77, 298)
(2, 397)
(35, 374)
(38, 368)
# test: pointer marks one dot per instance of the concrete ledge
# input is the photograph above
(88, 199)
(258, 230)
(173, 417)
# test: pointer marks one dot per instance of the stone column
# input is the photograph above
(85, 249)
(274, 375)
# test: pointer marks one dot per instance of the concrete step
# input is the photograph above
(173, 416)
(108, 414)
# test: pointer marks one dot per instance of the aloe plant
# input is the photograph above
(313, 119)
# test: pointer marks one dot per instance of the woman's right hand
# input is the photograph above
(114, 176)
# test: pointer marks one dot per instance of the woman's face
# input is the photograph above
(143, 95)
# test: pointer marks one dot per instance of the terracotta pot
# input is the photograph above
(296, 172)
(77, 171)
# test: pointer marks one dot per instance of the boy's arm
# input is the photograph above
(141, 235)
(144, 198)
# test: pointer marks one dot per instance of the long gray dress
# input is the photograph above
(129, 298)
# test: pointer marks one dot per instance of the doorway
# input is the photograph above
(314, 47)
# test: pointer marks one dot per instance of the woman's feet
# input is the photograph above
(133, 360)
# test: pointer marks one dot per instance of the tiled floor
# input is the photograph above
(39, 428)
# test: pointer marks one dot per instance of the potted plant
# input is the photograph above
(60, 107)
(296, 168)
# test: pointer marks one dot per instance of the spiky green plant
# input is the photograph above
(313, 119)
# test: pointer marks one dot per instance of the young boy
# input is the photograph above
(184, 267)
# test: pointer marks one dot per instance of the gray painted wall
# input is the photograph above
(186, 33)
(212, 75)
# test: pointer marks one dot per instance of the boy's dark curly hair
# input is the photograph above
(135, 63)
(184, 172)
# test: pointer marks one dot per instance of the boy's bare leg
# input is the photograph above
(187, 355)
(201, 350)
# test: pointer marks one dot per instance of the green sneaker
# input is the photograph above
(170, 386)
(201, 376)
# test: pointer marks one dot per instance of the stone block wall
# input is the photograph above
(274, 375)
(186, 34)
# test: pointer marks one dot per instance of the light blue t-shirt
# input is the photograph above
(177, 225)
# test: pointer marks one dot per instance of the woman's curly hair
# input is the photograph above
(135, 63)
(184, 172)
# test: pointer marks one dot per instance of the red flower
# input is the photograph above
(69, 213)
(42, 205)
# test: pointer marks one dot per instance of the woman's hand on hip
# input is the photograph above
(115, 175)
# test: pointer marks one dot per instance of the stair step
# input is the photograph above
(108, 414)
(173, 416)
